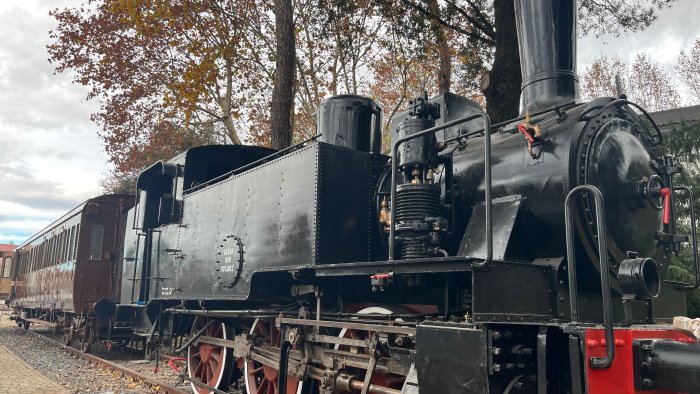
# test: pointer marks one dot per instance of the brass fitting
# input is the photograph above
(385, 214)
(416, 175)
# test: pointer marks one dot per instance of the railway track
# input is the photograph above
(124, 371)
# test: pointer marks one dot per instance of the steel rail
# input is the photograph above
(162, 386)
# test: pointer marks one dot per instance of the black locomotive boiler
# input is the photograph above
(527, 256)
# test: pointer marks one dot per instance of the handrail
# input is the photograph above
(487, 179)
(250, 165)
(693, 233)
(596, 362)
(136, 263)
(620, 102)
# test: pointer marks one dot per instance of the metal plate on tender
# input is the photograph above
(504, 212)
(229, 261)
(524, 301)
(441, 349)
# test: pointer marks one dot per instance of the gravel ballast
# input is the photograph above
(73, 374)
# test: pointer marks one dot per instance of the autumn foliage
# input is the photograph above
(191, 65)
(172, 74)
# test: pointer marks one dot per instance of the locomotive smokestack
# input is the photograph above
(547, 41)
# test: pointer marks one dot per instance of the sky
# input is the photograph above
(676, 28)
(52, 158)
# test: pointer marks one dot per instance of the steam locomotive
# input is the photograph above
(520, 257)
(527, 256)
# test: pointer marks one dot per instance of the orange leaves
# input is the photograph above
(206, 68)
(155, 62)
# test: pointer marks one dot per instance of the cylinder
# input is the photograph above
(418, 151)
(417, 204)
(350, 121)
(641, 277)
(667, 365)
(547, 42)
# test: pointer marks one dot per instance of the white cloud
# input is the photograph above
(676, 28)
(24, 224)
(52, 157)
(10, 209)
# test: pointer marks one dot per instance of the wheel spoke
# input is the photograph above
(208, 361)
(256, 371)
(198, 370)
(257, 381)
(210, 374)
(262, 386)
(380, 378)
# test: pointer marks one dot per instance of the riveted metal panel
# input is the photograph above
(308, 207)
(270, 208)
(460, 350)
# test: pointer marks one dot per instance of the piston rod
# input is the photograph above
(349, 383)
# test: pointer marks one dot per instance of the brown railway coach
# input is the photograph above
(63, 270)
(6, 258)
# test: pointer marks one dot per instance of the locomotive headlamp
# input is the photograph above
(639, 276)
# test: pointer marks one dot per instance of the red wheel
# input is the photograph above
(379, 378)
(262, 379)
(207, 363)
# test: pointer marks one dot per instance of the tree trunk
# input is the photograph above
(225, 105)
(445, 56)
(283, 90)
(503, 89)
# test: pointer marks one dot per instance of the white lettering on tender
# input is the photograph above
(228, 251)
(229, 268)
(167, 291)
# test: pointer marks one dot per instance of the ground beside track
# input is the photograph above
(19, 377)
(66, 373)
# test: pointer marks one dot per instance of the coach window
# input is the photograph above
(76, 246)
(39, 257)
(6, 267)
(64, 246)
(52, 252)
(71, 247)
(96, 241)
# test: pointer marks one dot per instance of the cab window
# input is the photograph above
(96, 235)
